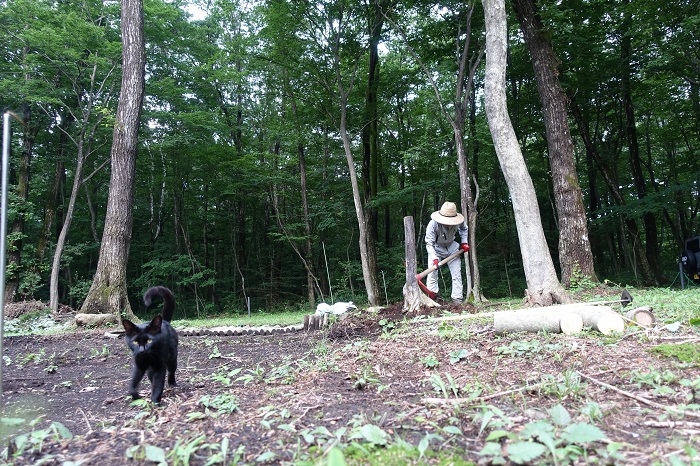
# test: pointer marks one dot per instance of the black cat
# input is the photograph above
(154, 346)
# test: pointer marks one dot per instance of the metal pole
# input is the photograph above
(3, 233)
(328, 271)
(682, 274)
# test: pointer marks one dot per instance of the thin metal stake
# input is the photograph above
(680, 272)
(386, 296)
(328, 272)
(3, 234)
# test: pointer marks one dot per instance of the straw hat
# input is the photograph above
(447, 215)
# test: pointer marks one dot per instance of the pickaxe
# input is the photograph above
(625, 299)
(424, 273)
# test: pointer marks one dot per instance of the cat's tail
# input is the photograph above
(168, 300)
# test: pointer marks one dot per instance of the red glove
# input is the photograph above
(464, 246)
(435, 263)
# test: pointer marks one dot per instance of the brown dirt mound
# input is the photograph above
(19, 308)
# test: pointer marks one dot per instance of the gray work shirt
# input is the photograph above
(442, 236)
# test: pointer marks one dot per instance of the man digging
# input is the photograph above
(440, 243)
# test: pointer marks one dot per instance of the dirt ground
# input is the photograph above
(371, 370)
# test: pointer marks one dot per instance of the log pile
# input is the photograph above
(568, 319)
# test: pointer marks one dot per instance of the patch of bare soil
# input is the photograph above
(367, 368)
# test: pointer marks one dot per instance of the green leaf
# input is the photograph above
(457, 356)
(62, 430)
(373, 434)
(583, 433)
(11, 421)
(560, 416)
(491, 449)
(336, 457)
(525, 452)
(454, 430)
(155, 454)
(497, 435)
(267, 456)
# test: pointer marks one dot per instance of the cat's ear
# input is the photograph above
(154, 326)
(130, 327)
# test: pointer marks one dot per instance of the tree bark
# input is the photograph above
(108, 293)
(368, 263)
(411, 292)
(575, 257)
(16, 236)
(370, 132)
(542, 283)
(468, 62)
(413, 297)
(613, 187)
(465, 81)
(652, 252)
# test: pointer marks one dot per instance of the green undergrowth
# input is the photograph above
(255, 320)
(688, 353)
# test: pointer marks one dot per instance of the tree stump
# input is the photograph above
(413, 297)
(642, 315)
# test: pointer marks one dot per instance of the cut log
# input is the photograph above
(535, 320)
(642, 315)
(570, 324)
(94, 320)
(601, 318)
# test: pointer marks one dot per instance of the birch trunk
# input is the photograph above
(543, 287)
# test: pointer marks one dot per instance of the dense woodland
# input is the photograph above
(243, 186)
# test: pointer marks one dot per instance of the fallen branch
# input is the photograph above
(528, 385)
(457, 317)
(639, 398)
(681, 424)
(486, 397)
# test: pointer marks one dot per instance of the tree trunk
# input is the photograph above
(652, 252)
(465, 81)
(540, 275)
(16, 237)
(575, 255)
(468, 63)
(370, 134)
(52, 198)
(413, 297)
(613, 187)
(411, 292)
(308, 252)
(108, 293)
(368, 274)
(63, 235)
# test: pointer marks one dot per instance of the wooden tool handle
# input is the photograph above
(447, 259)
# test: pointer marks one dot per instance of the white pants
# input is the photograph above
(455, 267)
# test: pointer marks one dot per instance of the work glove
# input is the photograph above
(435, 263)
(464, 246)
